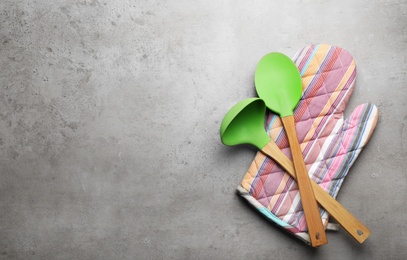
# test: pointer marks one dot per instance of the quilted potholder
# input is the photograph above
(330, 144)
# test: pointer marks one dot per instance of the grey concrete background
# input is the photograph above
(109, 126)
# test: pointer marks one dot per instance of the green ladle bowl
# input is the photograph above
(244, 124)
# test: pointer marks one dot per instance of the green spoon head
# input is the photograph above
(244, 124)
(278, 83)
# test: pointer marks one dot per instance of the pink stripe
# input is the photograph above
(290, 185)
(343, 145)
(337, 107)
(328, 128)
(346, 142)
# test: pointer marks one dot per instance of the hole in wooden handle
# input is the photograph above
(360, 232)
(318, 236)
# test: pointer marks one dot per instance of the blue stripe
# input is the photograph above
(271, 123)
(309, 60)
(272, 217)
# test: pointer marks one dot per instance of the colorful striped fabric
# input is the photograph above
(330, 145)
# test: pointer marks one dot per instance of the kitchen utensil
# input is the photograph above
(278, 83)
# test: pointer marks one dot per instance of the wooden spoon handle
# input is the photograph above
(312, 215)
(349, 222)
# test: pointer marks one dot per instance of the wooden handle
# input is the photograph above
(349, 222)
(316, 229)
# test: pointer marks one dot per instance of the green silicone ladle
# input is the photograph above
(278, 83)
(244, 124)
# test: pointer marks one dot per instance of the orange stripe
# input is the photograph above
(328, 105)
(253, 170)
(278, 192)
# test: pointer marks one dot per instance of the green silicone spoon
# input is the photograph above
(278, 83)
(244, 124)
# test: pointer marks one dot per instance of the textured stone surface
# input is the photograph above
(109, 126)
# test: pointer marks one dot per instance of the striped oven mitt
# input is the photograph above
(330, 144)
